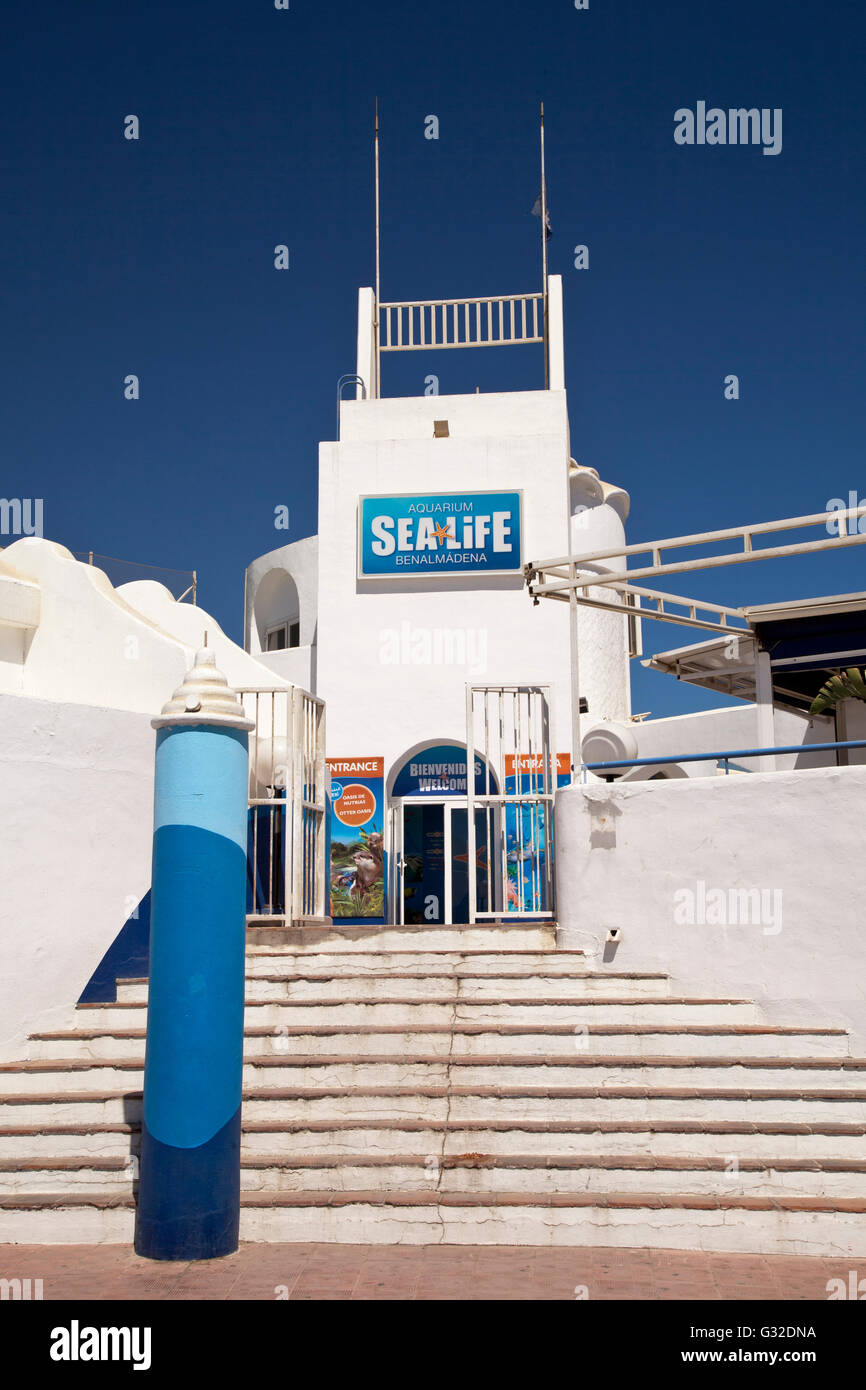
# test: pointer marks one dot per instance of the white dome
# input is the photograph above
(598, 511)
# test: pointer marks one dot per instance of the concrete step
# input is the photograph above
(56, 1140)
(436, 1102)
(672, 1040)
(788, 1225)
(295, 1069)
(403, 1009)
(510, 936)
(476, 1173)
(323, 1139)
(527, 986)
(80, 1173)
(465, 1085)
(483, 1173)
(265, 961)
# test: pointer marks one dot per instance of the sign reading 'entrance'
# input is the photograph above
(439, 533)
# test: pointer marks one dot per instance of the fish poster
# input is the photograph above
(357, 860)
(525, 834)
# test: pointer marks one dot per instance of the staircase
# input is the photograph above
(466, 1085)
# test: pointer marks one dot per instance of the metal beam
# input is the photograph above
(562, 578)
(744, 533)
(564, 590)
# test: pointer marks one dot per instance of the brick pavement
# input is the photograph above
(436, 1272)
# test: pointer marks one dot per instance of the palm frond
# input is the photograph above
(847, 685)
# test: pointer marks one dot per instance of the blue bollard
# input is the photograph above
(189, 1190)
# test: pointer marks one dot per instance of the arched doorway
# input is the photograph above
(428, 828)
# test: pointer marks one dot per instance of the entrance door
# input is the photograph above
(430, 860)
(486, 876)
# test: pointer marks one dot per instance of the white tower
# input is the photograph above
(430, 508)
(598, 515)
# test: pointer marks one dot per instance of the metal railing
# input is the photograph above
(561, 580)
(411, 325)
(125, 571)
(725, 757)
(745, 535)
(348, 379)
(573, 578)
(287, 807)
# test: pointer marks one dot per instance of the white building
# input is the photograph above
(391, 652)
(392, 649)
(701, 925)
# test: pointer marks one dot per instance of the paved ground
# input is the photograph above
(423, 1272)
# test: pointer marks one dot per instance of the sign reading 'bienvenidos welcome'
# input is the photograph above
(439, 533)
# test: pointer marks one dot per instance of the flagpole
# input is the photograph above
(375, 392)
(377, 207)
(544, 252)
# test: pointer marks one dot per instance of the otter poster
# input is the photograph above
(357, 871)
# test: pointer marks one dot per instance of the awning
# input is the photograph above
(807, 640)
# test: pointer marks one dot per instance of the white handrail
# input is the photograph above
(508, 323)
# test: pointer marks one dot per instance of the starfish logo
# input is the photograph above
(443, 534)
(480, 857)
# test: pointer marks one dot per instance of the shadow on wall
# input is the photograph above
(603, 816)
(128, 956)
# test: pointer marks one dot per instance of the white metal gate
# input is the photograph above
(508, 749)
(286, 867)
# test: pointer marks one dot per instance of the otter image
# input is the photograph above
(367, 871)
(375, 846)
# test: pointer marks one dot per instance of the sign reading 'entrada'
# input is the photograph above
(439, 533)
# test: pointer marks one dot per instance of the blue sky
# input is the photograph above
(155, 257)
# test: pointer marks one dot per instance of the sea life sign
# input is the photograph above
(442, 533)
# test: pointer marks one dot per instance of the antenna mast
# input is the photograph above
(376, 319)
(544, 254)
(377, 206)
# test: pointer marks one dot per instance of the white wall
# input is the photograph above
(90, 646)
(297, 665)
(189, 625)
(76, 807)
(624, 851)
(125, 648)
(851, 724)
(730, 727)
(77, 693)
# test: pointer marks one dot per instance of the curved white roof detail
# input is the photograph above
(86, 642)
(188, 624)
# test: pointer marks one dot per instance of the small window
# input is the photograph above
(282, 636)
